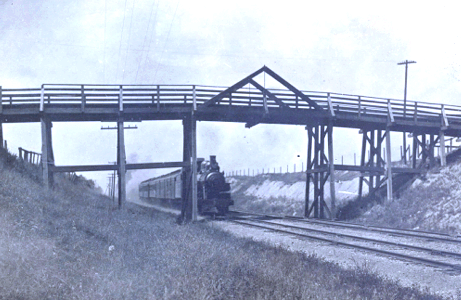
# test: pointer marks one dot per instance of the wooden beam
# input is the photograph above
(42, 99)
(269, 94)
(193, 161)
(308, 167)
(121, 164)
(137, 166)
(330, 106)
(231, 89)
(120, 98)
(390, 112)
(331, 162)
(1, 102)
(292, 88)
(388, 164)
(443, 158)
(47, 152)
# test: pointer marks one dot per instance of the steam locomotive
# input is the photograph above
(213, 192)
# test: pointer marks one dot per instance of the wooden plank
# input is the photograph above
(388, 165)
(137, 166)
(331, 171)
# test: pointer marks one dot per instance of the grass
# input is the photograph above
(71, 243)
(431, 204)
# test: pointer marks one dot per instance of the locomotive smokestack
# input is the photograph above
(213, 159)
(213, 163)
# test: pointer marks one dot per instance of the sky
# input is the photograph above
(331, 46)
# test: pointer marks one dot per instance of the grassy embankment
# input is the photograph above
(432, 202)
(284, 193)
(71, 243)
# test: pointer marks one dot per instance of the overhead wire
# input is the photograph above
(121, 38)
(104, 43)
(129, 38)
(145, 37)
(166, 41)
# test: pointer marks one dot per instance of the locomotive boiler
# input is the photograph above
(213, 192)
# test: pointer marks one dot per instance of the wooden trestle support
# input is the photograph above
(189, 209)
(320, 167)
(372, 142)
(47, 152)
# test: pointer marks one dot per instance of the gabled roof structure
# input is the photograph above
(267, 97)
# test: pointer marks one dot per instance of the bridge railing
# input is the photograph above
(29, 156)
(162, 95)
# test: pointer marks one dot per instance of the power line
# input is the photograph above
(166, 41)
(145, 37)
(121, 37)
(129, 38)
(104, 44)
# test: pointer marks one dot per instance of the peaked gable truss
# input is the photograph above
(265, 93)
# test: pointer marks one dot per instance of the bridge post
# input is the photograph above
(320, 166)
(443, 159)
(186, 176)
(373, 139)
(189, 208)
(1, 130)
(389, 164)
(310, 140)
(47, 151)
(121, 163)
(194, 167)
(331, 163)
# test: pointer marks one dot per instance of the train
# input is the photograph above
(213, 192)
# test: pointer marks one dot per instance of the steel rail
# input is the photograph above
(385, 252)
(402, 232)
(418, 248)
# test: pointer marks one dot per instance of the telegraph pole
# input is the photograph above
(406, 63)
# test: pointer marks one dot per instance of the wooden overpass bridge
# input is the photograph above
(251, 103)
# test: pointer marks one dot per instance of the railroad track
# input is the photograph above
(436, 250)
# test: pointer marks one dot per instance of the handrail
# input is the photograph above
(29, 156)
(195, 95)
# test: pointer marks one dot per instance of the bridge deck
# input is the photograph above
(167, 102)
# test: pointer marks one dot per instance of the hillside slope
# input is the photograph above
(432, 202)
(285, 193)
(71, 243)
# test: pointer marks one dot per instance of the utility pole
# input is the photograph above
(406, 63)
(121, 161)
